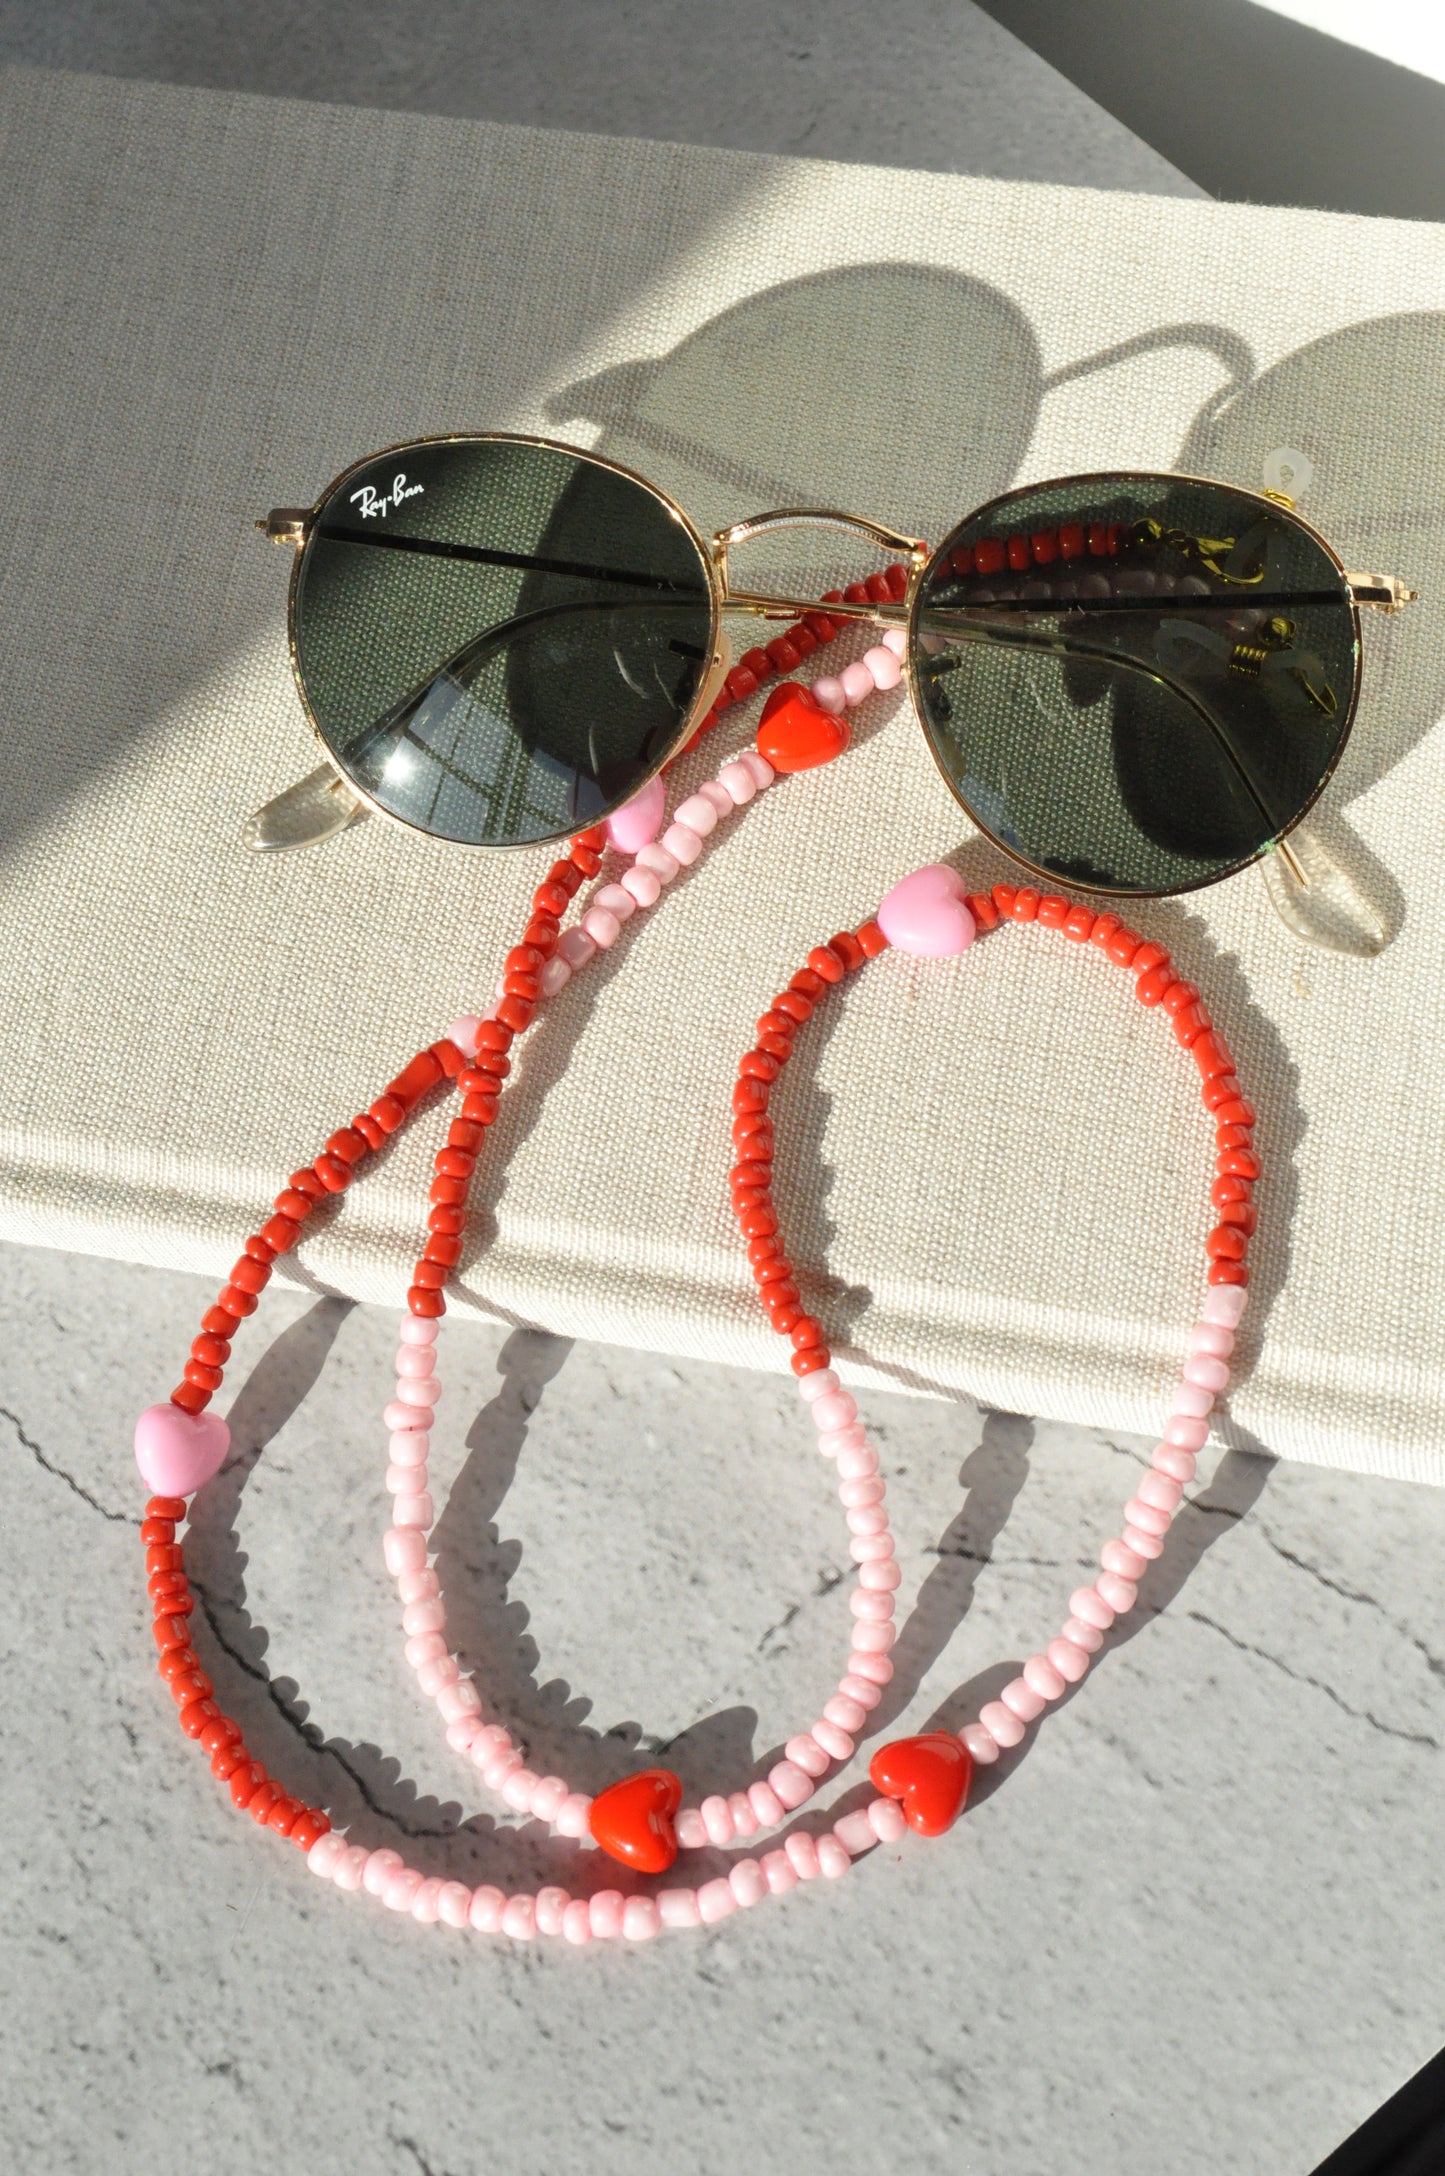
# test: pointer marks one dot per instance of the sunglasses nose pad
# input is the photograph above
(317, 807)
(1318, 901)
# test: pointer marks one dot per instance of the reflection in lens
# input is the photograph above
(499, 642)
(1135, 683)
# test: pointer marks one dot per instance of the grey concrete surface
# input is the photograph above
(1195, 1924)
(927, 83)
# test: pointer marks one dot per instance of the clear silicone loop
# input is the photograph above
(1318, 901)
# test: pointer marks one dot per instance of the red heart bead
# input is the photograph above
(632, 1820)
(929, 1776)
(795, 732)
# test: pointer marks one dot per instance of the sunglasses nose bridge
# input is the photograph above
(876, 533)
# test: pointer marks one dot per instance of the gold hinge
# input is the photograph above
(286, 525)
(1381, 592)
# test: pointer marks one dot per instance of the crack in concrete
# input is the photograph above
(1433, 1662)
(1317, 1684)
(78, 1488)
(827, 1581)
(310, 1736)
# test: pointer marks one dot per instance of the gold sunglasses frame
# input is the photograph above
(294, 526)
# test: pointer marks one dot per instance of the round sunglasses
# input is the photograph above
(1131, 682)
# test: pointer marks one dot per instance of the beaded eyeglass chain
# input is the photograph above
(640, 1821)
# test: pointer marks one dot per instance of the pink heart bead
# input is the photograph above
(926, 915)
(637, 823)
(178, 1452)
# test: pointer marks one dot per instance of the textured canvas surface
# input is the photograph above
(995, 1168)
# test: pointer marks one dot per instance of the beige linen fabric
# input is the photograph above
(994, 1169)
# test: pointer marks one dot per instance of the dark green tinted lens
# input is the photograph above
(499, 642)
(1135, 682)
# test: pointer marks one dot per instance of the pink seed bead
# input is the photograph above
(461, 1733)
(641, 1919)
(656, 858)
(748, 1882)
(857, 683)
(737, 783)
(1212, 1338)
(876, 1668)
(698, 813)
(717, 1820)
(415, 1361)
(745, 1821)
(1224, 1303)
(555, 975)
(417, 1330)
(885, 1817)
(982, 1745)
(548, 1798)
(766, 1804)
(1163, 1494)
(413, 1511)
(872, 1639)
(428, 1616)
(691, 1834)
(404, 1480)
(617, 900)
(806, 1753)
(404, 1415)
(519, 1918)
(1117, 1556)
(1120, 1593)
(484, 1914)
(1206, 1372)
(879, 1575)
(803, 1854)
(833, 1859)
(790, 1784)
(1070, 1661)
(1001, 1723)
(779, 1872)
(896, 640)
(604, 1910)
(437, 1671)
(426, 1904)
(409, 1447)
(463, 1032)
(1193, 1402)
(682, 842)
(576, 947)
(678, 1907)
(603, 928)
(325, 1852)
(823, 1383)
(835, 1742)
(1041, 1677)
(1146, 1518)
(867, 1519)
(839, 1410)
(422, 1586)
(404, 1549)
(863, 1493)
(425, 1390)
(489, 1741)
(716, 796)
(401, 1887)
(518, 1788)
(855, 1833)
(715, 1900)
(884, 666)
(1080, 1633)
(552, 1905)
(573, 1815)
(454, 1903)
(642, 886)
(496, 1771)
(1176, 1465)
(828, 694)
(832, 1441)
(458, 1701)
(847, 1714)
(1020, 1698)
(1186, 1432)
(350, 1869)
(855, 1463)
(861, 1691)
(875, 1608)
(577, 1923)
(1149, 1546)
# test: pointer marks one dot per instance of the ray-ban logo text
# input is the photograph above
(372, 501)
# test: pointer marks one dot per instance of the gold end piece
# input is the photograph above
(286, 525)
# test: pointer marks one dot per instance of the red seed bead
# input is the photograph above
(370, 1132)
(1189, 1025)
(517, 1013)
(1150, 987)
(808, 983)
(785, 1318)
(1234, 1111)
(454, 1163)
(284, 1815)
(494, 1035)
(179, 1603)
(429, 1276)
(982, 908)
(740, 684)
(1099, 539)
(1044, 546)
(190, 1397)
(215, 1351)
(196, 1714)
(348, 1144)
(165, 1590)
(227, 1759)
(878, 588)
(750, 1174)
(451, 1192)
(263, 1799)
(753, 1136)
(309, 1187)
(989, 555)
(1179, 996)
(782, 655)
(809, 1362)
(165, 1507)
(1124, 947)
(443, 1217)
(204, 1378)
(776, 1045)
(1237, 1163)
(171, 1631)
(448, 1057)
(388, 1111)
(414, 1080)
(219, 1731)
(156, 1531)
(585, 859)
(282, 1232)
(779, 1293)
(764, 1250)
(1211, 1054)
(1003, 896)
(443, 1247)
(174, 1662)
(845, 947)
(1025, 905)
(167, 1557)
(776, 1270)
(1242, 1214)
(1215, 1092)
(427, 1305)
(856, 593)
(334, 1175)
(1225, 1191)
(1148, 957)
(479, 1111)
(551, 899)
(188, 1685)
(1225, 1244)
(794, 1004)
(595, 837)
(1072, 541)
(308, 1828)
(1228, 1273)
(1105, 927)
(749, 1095)
(252, 1276)
(758, 1223)
(871, 940)
(524, 986)
(1078, 925)
(1053, 912)
(750, 1197)
(807, 1334)
(219, 1322)
(759, 1065)
(1019, 555)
